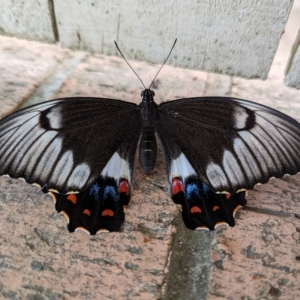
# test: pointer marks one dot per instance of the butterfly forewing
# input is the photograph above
(65, 144)
(232, 144)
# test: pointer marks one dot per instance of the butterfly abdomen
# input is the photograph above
(148, 150)
(148, 146)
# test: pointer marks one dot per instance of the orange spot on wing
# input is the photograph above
(177, 186)
(228, 196)
(72, 198)
(195, 209)
(215, 208)
(124, 187)
(107, 213)
(87, 212)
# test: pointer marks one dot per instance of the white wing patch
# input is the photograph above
(259, 151)
(284, 144)
(34, 149)
(240, 117)
(12, 140)
(63, 167)
(117, 167)
(232, 168)
(79, 176)
(248, 162)
(216, 176)
(181, 167)
(49, 158)
(54, 117)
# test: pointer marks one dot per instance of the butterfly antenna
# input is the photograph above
(163, 63)
(130, 65)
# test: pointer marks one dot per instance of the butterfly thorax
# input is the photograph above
(148, 146)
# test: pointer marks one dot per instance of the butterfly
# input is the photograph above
(81, 150)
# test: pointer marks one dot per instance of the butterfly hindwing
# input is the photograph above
(101, 206)
(97, 208)
(65, 144)
(232, 144)
(201, 207)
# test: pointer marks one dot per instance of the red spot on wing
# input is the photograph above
(177, 186)
(124, 187)
(228, 196)
(72, 198)
(107, 213)
(195, 209)
(87, 212)
(215, 208)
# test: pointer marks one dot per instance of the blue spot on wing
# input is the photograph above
(192, 189)
(205, 188)
(110, 191)
(95, 192)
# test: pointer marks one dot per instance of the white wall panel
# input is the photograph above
(223, 36)
(30, 19)
(292, 78)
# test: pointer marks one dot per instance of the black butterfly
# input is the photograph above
(81, 150)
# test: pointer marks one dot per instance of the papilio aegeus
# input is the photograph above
(81, 151)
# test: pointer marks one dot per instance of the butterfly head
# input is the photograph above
(147, 95)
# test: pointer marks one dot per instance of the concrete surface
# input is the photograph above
(32, 19)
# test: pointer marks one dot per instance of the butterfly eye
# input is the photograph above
(152, 92)
(142, 94)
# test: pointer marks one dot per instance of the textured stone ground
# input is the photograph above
(154, 257)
